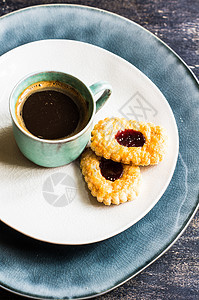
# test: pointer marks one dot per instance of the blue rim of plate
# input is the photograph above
(36, 269)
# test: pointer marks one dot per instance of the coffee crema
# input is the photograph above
(51, 110)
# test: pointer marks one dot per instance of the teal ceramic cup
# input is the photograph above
(58, 152)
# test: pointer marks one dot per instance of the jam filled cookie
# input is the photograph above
(109, 181)
(129, 141)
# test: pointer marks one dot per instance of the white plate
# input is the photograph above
(54, 205)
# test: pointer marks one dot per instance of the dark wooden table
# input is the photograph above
(176, 274)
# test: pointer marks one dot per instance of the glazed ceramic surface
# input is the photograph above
(59, 198)
(41, 270)
(50, 153)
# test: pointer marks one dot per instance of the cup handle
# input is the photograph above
(99, 87)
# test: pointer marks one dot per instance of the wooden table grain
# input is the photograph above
(176, 274)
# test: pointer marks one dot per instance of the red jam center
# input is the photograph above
(111, 170)
(130, 138)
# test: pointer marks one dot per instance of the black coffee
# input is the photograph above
(51, 110)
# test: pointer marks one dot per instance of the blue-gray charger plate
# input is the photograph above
(46, 271)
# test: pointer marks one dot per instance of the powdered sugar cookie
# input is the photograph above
(109, 181)
(129, 141)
